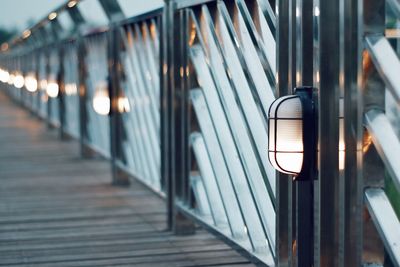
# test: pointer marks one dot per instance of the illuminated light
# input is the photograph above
(43, 84)
(26, 34)
(297, 12)
(292, 134)
(101, 99)
(71, 3)
(52, 89)
(11, 79)
(71, 89)
(19, 80)
(4, 46)
(342, 148)
(123, 104)
(4, 76)
(52, 15)
(31, 83)
(316, 11)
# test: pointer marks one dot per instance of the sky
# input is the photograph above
(17, 13)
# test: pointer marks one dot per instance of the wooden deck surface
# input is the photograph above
(57, 209)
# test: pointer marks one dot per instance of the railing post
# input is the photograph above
(283, 181)
(83, 113)
(353, 176)
(114, 86)
(327, 80)
(61, 84)
(173, 123)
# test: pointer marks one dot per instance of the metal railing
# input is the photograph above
(187, 88)
(387, 63)
(226, 68)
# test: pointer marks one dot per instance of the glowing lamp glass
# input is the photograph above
(19, 80)
(285, 148)
(71, 89)
(123, 104)
(31, 83)
(52, 89)
(4, 76)
(101, 99)
(43, 84)
(11, 79)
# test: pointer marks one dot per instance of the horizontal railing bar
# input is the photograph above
(181, 4)
(141, 17)
(385, 221)
(386, 142)
(386, 62)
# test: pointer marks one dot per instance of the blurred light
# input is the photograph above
(31, 82)
(101, 99)
(4, 47)
(316, 11)
(43, 84)
(19, 80)
(11, 79)
(52, 15)
(123, 104)
(52, 89)
(26, 34)
(71, 89)
(71, 3)
(4, 76)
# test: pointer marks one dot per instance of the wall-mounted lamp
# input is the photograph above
(19, 80)
(52, 15)
(101, 99)
(43, 84)
(11, 78)
(123, 104)
(4, 76)
(52, 88)
(292, 124)
(71, 3)
(31, 83)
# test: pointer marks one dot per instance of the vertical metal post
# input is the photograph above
(83, 113)
(61, 98)
(283, 181)
(305, 189)
(328, 86)
(173, 123)
(353, 176)
(166, 107)
(47, 73)
(114, 86)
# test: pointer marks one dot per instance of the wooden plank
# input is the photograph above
(57, 209)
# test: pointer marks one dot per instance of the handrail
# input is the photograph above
(386, 142)
(386, 62)
(385, 220)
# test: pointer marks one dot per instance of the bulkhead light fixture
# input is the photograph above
(19, 80)
(4, 76)
(11, 78)
(292, 124)
(31, 83)
(52, 87)
(123, 104)
(101, 99)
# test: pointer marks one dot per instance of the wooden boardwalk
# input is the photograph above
(57, 209)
